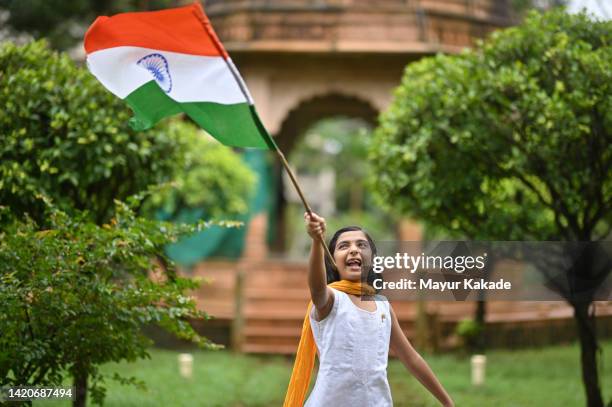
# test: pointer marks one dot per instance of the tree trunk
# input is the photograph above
(480, 313)
(421, 340)
(80, 384)
(588, 353)
(479, 317)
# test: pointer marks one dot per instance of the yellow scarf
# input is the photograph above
(305, 357)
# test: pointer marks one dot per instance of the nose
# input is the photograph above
(354, 250)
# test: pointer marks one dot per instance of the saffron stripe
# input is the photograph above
(184, 30)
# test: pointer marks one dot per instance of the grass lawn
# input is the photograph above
(542, 377)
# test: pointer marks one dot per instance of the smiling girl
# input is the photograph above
(350, 329)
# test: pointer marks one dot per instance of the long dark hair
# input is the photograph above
(332, 273)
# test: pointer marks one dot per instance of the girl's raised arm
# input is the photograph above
(415, 363)
(321, 295)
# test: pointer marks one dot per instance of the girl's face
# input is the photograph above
(352, 254)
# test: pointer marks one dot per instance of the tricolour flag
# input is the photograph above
(171, 61)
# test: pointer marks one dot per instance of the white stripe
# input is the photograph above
(239, 78)
(194, 78)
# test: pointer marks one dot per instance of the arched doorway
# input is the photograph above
(325, 139)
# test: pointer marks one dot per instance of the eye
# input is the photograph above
(364, 245)
(342, 245)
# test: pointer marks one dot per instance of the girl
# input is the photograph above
(350, 332)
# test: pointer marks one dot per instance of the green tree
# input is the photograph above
(510, 141)
(75, 295)
(64, 23)
(63, 135)
(74, 286)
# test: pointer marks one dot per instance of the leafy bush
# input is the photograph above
(74, 275)
(65, 136)
(206, 175)
(508, 141)
(469, 331)
(75, 295)
(511, 141)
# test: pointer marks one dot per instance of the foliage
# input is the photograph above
(467, 328)
(62, 22)
(469, 331)
(75, 295)
(510, 141)
(207, 175)
(63, 135)
(340, 145)
(74, 278)
(522, 6)
(376, 225)
(67, 137)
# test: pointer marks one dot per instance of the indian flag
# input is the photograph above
(171, 61)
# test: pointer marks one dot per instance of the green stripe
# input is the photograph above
(234, 125)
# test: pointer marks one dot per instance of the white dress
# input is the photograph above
(353, 349)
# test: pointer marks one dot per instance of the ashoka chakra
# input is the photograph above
(157, 64)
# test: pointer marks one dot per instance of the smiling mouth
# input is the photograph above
(354, 264)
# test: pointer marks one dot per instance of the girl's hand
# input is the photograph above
(315, 225)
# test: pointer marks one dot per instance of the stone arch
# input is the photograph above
(308, 111)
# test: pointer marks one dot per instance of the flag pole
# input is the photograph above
(303, 199)
(271, 144)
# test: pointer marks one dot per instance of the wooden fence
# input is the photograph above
(259, 307)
